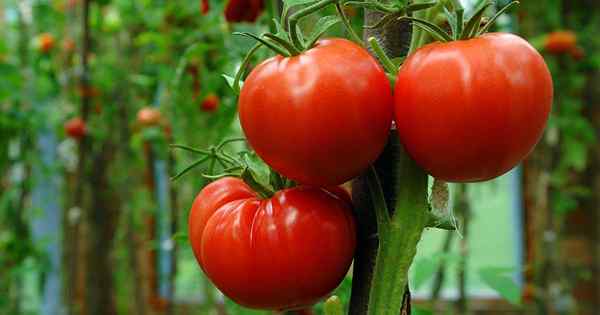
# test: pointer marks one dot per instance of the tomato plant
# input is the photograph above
(321, 117)
(284, 252)
(471, 110)
(75, 128)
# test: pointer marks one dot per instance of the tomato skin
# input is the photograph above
(286, 252)
(310, 120)
(75, 128)
(471, 110)
(148, 116)
(210, 103)
(560, 42)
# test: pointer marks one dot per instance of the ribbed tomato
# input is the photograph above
(321, 117)
(471, 110)
(285, 252)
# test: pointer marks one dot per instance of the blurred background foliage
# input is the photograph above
(94, 225)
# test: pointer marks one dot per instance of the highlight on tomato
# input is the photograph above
(286, 251)
(75, 128)
(560, 42)
(243, 10)
(471, 110)
(320, 117)
(210, 103)
(149, 116)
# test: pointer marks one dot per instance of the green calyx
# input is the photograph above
(461, 28)
(245, 165)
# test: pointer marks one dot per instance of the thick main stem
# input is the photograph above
(398, 241)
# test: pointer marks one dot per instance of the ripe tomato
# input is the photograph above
(471, 110)
(285, 252)
(204, 7)
(319, 118)
(210, 103)
(148, 116)
(243, 10)
(45, 42)
(75, 128)
(560, 42)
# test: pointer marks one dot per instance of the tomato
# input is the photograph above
(471, 110)
(210, 103)
(285, 252)
(204, 7)
(560, 42)
(75, 128)
(45, 42)
(243, 10)
(68, 45)
(577, 53)
(319, 118)
(149, 116)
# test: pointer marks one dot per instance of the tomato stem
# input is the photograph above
(347, 24)
(398, 238)
(387, 63)
(243, 66)
(295, 18)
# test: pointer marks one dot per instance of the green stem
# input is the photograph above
(387, 63)
(398, 240)
(419, 36)
(262, 191)
(377, 198)
(333, 306)
(347, 24)
(243, 66)
(295, 18)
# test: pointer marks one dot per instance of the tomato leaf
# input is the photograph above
(231, 80)
(499, 279)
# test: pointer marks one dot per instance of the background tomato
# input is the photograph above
(210, 103)
(471, 110)
(148, 116)
(75, 128)
(319, 118)
(285, 252)
(560, 42)
(243, 10)
(45, 42)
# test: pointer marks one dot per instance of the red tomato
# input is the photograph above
(204, 7)
(319, 118)
(45, 42)
(210, 103)
(560, 42)
(75, 128)
(471, 110)
(148, 116)
(285, 252)
(577, 53)
(243, 10)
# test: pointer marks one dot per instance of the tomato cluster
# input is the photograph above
(466, 110)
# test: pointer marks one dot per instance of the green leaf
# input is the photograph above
(230, 80)
(499, 279)
(323, 24)
(424, 269)
(420, 310)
